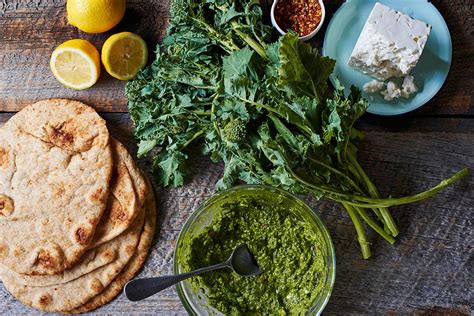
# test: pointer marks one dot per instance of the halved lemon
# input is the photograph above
(124, 54)
(76, 64)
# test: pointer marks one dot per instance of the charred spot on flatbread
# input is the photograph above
(59, 135)
(6, 205)
(4, 158)
(46, 259)
(82, 235)
(44, 300)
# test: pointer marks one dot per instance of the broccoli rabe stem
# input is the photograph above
(193, 138)
(227, 44)
(374, 225)
(361, 235)
(249, 40)
(377, 212)
(351, 182)
(387, 217)
(366, 202)
(388, 202)
(339, 173)
(361, 211)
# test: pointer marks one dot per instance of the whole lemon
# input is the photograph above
(95, 16)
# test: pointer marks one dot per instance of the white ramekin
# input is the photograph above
(306, 37)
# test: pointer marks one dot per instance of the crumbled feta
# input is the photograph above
(409, 87)
(390, 44)
(373, 86)
(392, 92)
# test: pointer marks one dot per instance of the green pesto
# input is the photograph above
(288, 249)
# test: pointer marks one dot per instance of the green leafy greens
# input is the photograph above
(263, 108)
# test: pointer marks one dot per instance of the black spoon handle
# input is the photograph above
(140, 289)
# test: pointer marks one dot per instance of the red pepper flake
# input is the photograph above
(301, 16)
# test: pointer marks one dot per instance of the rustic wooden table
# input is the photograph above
(429, 271)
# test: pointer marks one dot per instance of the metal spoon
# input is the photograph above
(241, 261)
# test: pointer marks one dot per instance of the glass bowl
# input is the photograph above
(195, 301)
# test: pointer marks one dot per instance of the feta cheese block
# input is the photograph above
(390, 44)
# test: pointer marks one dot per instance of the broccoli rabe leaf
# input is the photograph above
(302, 71)
(171, 167)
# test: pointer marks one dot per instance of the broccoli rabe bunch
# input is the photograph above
(262, 107)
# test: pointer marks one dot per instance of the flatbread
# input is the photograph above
(92, 259)
(121, 211)
(72, 294)
(140, 181)
(133, 266)
(126, 198)
(55, 167)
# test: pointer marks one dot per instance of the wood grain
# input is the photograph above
(427, 271)
(31, 29)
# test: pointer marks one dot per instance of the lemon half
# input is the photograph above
(95, 16)
(124, 54)
(76, 64)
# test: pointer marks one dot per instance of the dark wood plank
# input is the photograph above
(30, 30)
(427, 271)
(402, 124)
(457, 94)
(121, 125)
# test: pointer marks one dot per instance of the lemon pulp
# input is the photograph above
(124, 54)
(76, 64)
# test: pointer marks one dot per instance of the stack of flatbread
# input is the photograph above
(77, 216)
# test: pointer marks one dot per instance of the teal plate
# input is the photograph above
(431, 71)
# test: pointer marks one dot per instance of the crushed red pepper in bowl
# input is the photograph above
(301, 16)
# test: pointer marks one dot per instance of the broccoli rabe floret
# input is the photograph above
(235, 131)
